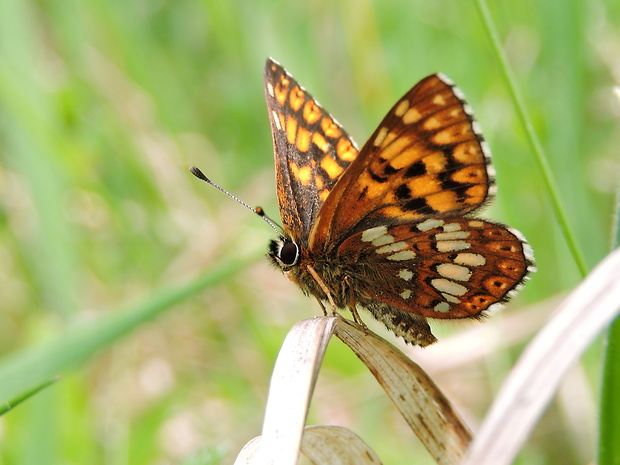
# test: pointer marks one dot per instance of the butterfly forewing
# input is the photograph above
(425, 158)
(311, 149)
(441, 268)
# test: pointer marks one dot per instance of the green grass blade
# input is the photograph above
(20, 371)
(541, 158)
(609, 425)
(26, 395)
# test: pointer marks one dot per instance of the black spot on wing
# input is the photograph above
(389, 169)
(417, 169)
(403, 192)
(377, 178)
(418, 205)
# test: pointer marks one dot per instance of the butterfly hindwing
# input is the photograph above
(311, 150)
(439, 268)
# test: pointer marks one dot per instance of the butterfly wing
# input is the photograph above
(311, 149)
(453, 267)
(426, 158)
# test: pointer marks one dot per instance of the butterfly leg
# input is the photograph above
(323, 286)
(353, 304)
(322, 306)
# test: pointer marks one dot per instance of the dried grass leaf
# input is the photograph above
(292, 383)
(335, 445)
(249, 453)
(416, 396)
(421, 403)
(324, 445)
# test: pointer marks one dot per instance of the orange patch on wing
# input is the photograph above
(330, 166)
(435, 162)
(443, 201)
(373, 189)
(303, 139)
(320, 142)
(422, 186)
(312, 112)
(401, 108)
(470, 174)
(297, 98)
(345, 150)
(476, 194)
(303, 174)
(291, 129)
(397, 148)
(397, 212)
(330, 129)
(467, 151)
(455, 133)
(411, 116)
(281, 90)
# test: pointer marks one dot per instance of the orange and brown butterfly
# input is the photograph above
(389, 228)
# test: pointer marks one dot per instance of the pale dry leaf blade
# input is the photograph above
(249, 453)
(419, 400)
(335, 445)
(292, 384)
(531, 384)
(324, 445)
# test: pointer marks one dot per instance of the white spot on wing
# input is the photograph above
(429, 224)
(467, 109)
(470, 259)
(449, 236)
(401, 256)
(452, 271)
(449, 287)
(406, 294)
(405, 274)
(389, 248)
(276, 120)
(452, 227)
(459, 93)
(445, 79)
(380, 136)
(452, 246)
(450, 298)
(371, 234)
(442, 307)
(476, 127)
(383, 240)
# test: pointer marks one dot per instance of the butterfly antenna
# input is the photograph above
(259, 211)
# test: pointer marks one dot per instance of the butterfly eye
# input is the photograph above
(288, 253)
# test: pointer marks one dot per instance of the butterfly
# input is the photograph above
(389, 228)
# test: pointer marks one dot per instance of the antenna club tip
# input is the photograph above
(259, 211)
(199, 174)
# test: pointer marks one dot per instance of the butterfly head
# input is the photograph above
(284, 253)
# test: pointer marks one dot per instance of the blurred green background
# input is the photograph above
(104, 105)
